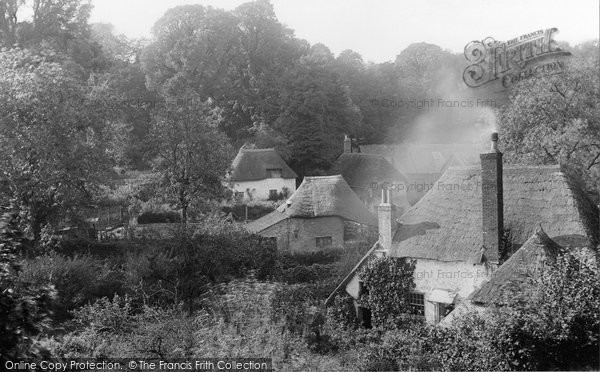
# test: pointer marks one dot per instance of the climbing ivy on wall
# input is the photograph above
(387, 282)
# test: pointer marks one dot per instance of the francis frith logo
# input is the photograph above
(508, 62)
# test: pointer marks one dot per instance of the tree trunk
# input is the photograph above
(184, 205)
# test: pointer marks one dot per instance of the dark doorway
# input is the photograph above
(364, 317)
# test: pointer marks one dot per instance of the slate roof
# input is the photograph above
(319, 197)
(361, 170)
(252, 165)
(446, 223)
(517, 272)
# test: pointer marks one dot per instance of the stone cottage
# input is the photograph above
(313, 217)
(468, 226)
(261, 174)
(368, 174)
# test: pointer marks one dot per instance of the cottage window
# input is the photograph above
(296, 234)
(416, 302)
(274, 173)
(273, 195)
(442, 310)
(324, 242)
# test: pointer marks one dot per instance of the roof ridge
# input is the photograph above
(323, 177)
(257, 150)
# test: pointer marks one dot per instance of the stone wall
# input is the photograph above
(299, 234)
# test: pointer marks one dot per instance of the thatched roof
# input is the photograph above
(361, 170)
(517, 272)
(319, 197)
(426, 158)
(252, 165)
(350, 275)
(446, 223)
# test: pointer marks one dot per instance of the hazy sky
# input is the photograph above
(381, 29)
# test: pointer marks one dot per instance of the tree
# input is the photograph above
(9, 21)
(23, 309)
(54, 137)
(316, 111)
(193, 155)
(235, 58)
(555, 119)
(193, 50)
(60, 25)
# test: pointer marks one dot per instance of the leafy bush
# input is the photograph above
(387, 281)
(24, 312)
(307, 274)
(114, 316)
(183, 268)
(554, 327)
(237, 324)
(159, 217)
(74, 247)
(77, 280)
(296, 305)
(324, 257)
(342, 312)
(255, 210)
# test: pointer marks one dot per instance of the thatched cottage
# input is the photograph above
(513, 276)
(368, 174)
(313, 217)
(464, 230)
(424, 164)
(261, 174)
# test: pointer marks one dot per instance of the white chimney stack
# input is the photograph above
(347, 144)
(386, 222)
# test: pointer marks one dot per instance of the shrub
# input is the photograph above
(24, 312)
(75, 247)
(553, 327)
(183, 268)
(296, 305)
(255, 210)
(307, 274)
(159, 217)
(387, 281)
(104, 315)
(77, 280)
(342, 312)
(323, 257)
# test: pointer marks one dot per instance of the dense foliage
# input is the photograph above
(556, 118)
(24, 312)
(555, 326)
(387, 283)
(91, 120)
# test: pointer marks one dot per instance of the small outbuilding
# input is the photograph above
(312, 219)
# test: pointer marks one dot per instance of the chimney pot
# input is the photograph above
(495, 142)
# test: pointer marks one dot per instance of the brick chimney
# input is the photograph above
(386, 221)
(492, 201)
(347, 144)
